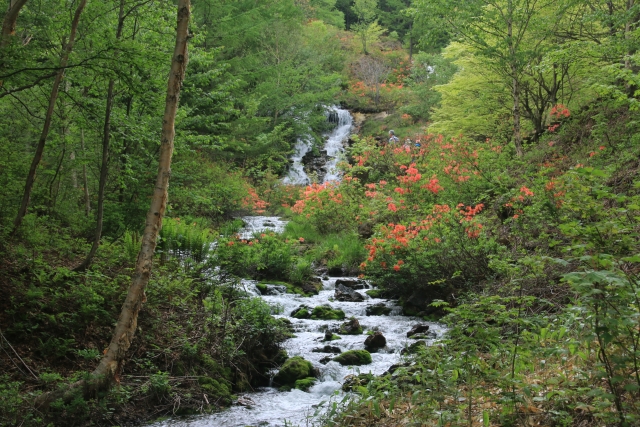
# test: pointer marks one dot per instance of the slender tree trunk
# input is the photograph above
(111, 363)
(85, 181)
(104, 168)
(515, 86)
(10, 20)
(47, 122)
(127, 322)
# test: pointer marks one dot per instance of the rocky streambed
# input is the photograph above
(339, 332)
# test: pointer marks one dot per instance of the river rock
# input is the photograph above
(378, 310)
(414, 348)
(312, 286)
(375, 341)
(327, 349)
(418, 329)
(326, 312)
(353, 357)
(245, 401)
(302, 312)
(351, 327)
(343, 293)
(326, 360)
(352, 283)
(295, 368)
(352, 381)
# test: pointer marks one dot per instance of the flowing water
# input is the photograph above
(334, 147)
(269, 407)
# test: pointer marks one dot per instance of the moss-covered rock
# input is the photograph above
(326, 312)
(378, 310)
(354, 357)
(262, 287)
(295, 368)
(302, 312)
(305, 383)
(375, 293)
(351, 327)
(351, 382)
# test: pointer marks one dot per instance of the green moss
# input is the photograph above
(326, 312)
(262, 288)
(354, 357)
(291, 288)
(374, 293)
(305, 384)
(303, 313)
(295, 368)
(216, 389)
(335, 337)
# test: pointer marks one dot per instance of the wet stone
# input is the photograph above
(351, 327)
(418, 330)
(375, 341)
(352, 283)
(414, 348)
(327, 349)
(379, 309)
(342, 293)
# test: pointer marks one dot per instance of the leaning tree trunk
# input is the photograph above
(111, 363)
(104, 168)
(47, 121)
(10, 20)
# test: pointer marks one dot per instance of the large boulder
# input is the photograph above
(295, 368)
(352, 283)
(378, 310)
(342, 293)
(327, 349)
(350, 327)
(375, 341)
(353, 357)
(418, 330)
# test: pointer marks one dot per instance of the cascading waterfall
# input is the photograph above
(334, 147)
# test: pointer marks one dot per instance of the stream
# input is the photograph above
(268, 407)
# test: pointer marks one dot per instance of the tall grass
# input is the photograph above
(295, 230)
(341, 252)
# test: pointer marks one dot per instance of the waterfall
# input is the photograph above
(333, 147)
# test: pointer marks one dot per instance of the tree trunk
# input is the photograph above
(111, 363)
(85, 181)
(47, 122)
(104, 168)
(10, 20)
(515, 85)
(517, 134)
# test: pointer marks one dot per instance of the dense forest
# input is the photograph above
(135, 133)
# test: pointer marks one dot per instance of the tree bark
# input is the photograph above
(10, 20)
(104, 168)
(85, 181)
(515, 85)
(111, 363)
(47, 122)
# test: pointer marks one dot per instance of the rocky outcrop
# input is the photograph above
(342, 293)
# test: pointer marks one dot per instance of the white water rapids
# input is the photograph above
(334, 146)
(273, 408)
